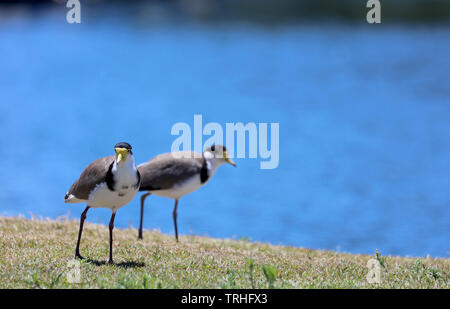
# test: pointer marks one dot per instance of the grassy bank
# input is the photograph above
(35, 254)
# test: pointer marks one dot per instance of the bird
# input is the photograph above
(108, 182)
(175, 174)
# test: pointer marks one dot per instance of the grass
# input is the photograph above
(37, 254)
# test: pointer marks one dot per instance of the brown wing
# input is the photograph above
(94, 174)
(164, 171)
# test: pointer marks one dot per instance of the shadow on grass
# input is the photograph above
(128, 264)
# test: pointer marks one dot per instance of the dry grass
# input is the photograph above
(35, 253)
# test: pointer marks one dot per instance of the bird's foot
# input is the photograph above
(78, 256)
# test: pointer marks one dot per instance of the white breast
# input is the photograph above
(101, 196)
(125, 177)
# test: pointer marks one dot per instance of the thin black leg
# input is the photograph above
(83, 217)
(111, 227)
(143, 197)
(175, 219)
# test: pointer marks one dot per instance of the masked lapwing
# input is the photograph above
(109, 182)
(176, 174)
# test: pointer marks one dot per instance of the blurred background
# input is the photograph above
(364, 114)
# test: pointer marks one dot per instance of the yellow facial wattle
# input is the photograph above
(121, 154)
(227, 159)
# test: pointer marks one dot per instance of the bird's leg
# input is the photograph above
(111, 227)
(77, 250)
(142, 213)
(175, 219)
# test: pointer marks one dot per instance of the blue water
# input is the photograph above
(364, 116)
